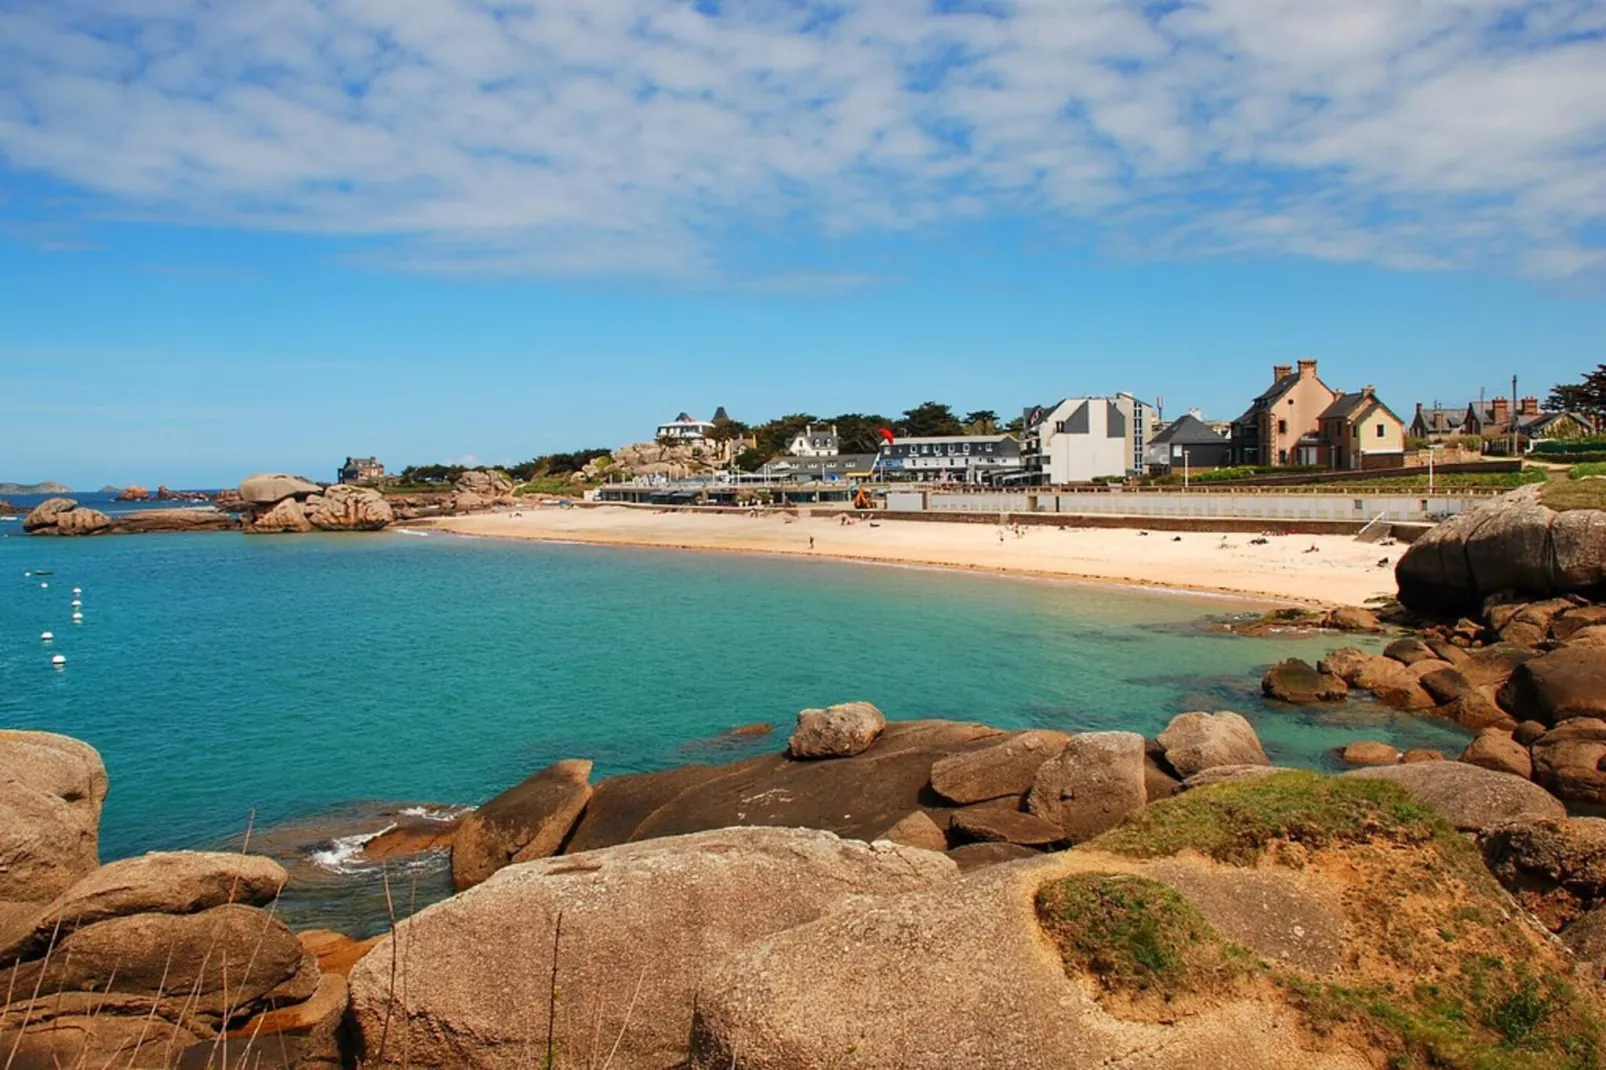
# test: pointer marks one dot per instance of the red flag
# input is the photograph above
(886, 434)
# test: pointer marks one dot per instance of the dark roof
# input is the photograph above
(1441, 417)
(1346, 405)
(1276, 390)
(1187, 430)
(719, 414)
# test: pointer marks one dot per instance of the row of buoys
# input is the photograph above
(59, 661)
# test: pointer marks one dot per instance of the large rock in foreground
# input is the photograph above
(1470, 798)
(1570, 760)
(624, 936)
(1091, 785)
(1191, 938)
(525, 822)
(1514, 544)
(51, 790)
(1194, 742)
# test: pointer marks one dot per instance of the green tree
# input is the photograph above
(981, 422)
(928, 419)
(775, 436)
(751, 459)
(1587, 397)
(859, 432)
(726, 430)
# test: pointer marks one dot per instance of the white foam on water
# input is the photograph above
(344, 853)
(450, 813)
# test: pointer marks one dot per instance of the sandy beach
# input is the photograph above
(1340, 571)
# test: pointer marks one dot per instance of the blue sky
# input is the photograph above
(267, 235)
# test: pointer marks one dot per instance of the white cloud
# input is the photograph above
(594, 137)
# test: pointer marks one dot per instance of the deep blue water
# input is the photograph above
(222, 675)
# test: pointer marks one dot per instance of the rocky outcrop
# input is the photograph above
(624, 935)
(1565, 683)
(1194, 742)
(1299, 682)
(1514, 544)
(1470, 798)
(653, 459)
(134, 493)
(51, 790)
(837, 731)
(63, 516)
(530, 820)
(347, 508)
(270, 488)
(148, 961)
(995, 824)
(1091, 785)
(171, 882)
(1570, 760)
(1002, 769)
(1351, 619)
(912, 981)
(276, 504)
(1555, 868)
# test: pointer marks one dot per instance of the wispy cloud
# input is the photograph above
(645, 137)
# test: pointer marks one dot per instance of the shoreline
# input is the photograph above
(1346, 574)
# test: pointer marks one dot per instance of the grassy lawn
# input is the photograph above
(1593, 468)
(1586, 493)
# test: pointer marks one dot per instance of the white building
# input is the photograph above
(970, 458)
(1081, 439)
(814, 442)
(684, 429)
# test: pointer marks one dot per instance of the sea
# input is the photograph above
(300, 693)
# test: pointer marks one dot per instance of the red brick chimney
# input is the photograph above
(1307, 369)
(1500, 408)
(1279, 372)
(1529, 407)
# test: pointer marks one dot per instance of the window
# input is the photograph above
(1282, 427)
(1379, 430)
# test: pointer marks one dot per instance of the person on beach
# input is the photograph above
(811, 542)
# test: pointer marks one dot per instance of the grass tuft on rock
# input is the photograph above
(1585, 493)
(1137, 937)
(1237, 821)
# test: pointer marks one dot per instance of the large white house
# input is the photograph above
(814, 442)
(1085, 438)
(971, 458)
(684, 429)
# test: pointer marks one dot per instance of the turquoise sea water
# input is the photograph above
(223, 676)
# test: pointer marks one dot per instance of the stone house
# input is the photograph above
(1358, 431)
(1282, 426)
(360, 470)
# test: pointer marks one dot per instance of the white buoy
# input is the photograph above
(27, 574)
(43, 585)
(59, 660)
(77, 618)
(77, 591)
(76, 603)
(46, 636)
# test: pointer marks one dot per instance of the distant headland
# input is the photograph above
(34, 488)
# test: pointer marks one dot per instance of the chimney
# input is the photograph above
(1307, 369)
(1501, 410)
(1530, 407)
(1371, 391)
(1279, 372)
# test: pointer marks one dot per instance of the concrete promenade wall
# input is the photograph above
(1261, 506)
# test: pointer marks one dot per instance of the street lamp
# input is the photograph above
(1184, 469)
(1432, 447)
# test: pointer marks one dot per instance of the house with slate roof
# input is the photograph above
(1358, 431)
(1189, 442)
(1437, 424)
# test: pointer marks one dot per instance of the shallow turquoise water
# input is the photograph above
(222, 675)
